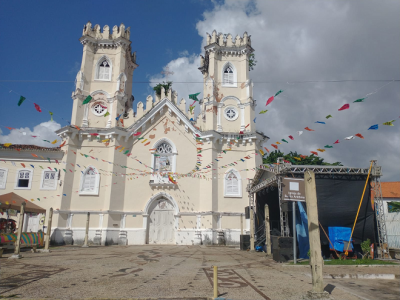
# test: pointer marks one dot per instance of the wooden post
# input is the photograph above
(48, 234)
(20, 225)
(267, 230)
(241, 224)
(85, 244)
(215, 282)
(251, 228)
(315, 243)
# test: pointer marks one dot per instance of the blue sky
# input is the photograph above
(300, 47)
(40, 42)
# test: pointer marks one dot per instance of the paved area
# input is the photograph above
(176, 272)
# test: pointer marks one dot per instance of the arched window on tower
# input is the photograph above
(163, 158)
(233, 184)
(103, 70)
(229, 76)
(90, 180)
(163, 161)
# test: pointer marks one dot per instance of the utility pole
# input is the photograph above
(316, 262)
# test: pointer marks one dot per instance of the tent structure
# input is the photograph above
(13, 201)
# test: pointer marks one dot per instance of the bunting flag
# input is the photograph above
(87, 100)
(262, 152)
(389, 123)
(94, 134)
(328, 146)
(346, 106)
(76, 127)
(21, 99)
(297, 158)
(309, 129)
(23, 165)
(359, 100)
(270, 100)
(141, 138)
(337, 142)
(170, 178)
(126, 152)
(105, 141)
(137, 133)
(34, 155)
(319, 122)
(359, 135)
(315, 153)
(303, 156)
(37, 107)
(117, 118)
(254, 120)
(349, 138)
(106, 114)
(291, 137)
(191, 108)
(300, 132)
(122, 122)
(321, 150)
(283, 140)
(53, 142)
(328, 116)
(280, 91)
(266, 149)
(51, 116)
(275, 146)
(263, 112)
(247, 125)
(277, 143)
(373, 127)
(10, 128)
(147, 143)
(194, 96)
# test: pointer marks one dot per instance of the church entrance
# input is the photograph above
(161, 222)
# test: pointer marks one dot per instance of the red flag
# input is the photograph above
(337, 142)
(286, 161)
(313, 152)
(34, 155)
(37, 107)
(275, 146)
(266, 149)
(359, 135)
(147, 143)
(309, 129)
(95, 134)
(303, 156)
(23, 165)
(137, 133)
(10, 128)
(76, 127)
(247, 125)
(291, 137)
(346, 106)
(63, 144)
(240, 132)
(270, 100)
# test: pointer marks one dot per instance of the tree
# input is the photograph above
(309, 160)
(252, 61)
(166, 85)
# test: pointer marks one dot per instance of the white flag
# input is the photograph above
(349, 138)
(300, 132)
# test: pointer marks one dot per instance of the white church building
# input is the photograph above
(160, 175)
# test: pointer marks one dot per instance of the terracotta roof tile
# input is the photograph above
(389, 189)
(30, 147)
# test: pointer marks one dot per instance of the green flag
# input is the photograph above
(283, 140)
(328, 116)
(327, 146)
(359, 100)
(194, 96)
(126, 152)
(21, 99)
(280, 91)
(106, 114)
(87, 100)
(51, 115)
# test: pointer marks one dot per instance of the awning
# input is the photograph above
(14, 202)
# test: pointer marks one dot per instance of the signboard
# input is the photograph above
(293, 189)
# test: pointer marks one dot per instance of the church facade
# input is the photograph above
(162, 174)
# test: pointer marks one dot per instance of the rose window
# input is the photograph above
(231, 113)
(99, 109)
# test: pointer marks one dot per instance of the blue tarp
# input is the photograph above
(302, 231)
(339, 237)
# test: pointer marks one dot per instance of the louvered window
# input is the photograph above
(89, 181)
(232, 184)
(104, 72)
(49, 180)
(228, 78)
(3, 178)
(23, 179)
(163, 158)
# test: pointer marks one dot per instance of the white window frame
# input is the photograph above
(234, 84)
(97, 182)
(231, 195)
(156, 177)
(4, 184)
(55, 180)
(97, 73)
(234, 109)
(95, 112)
(16, 187)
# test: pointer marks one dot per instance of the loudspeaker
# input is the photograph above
(282, 255)
(247, 212)
(244, 241)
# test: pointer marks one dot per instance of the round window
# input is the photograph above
(231, 113)
(99, 109)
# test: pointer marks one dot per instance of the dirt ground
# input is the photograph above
(179, 272)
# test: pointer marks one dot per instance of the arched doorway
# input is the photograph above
(161, 221)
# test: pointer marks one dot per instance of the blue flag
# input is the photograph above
(117, 118)
(320, 122)
(374, 127)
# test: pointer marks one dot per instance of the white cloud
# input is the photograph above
(24, 135)
(315, 40)
(184, 53)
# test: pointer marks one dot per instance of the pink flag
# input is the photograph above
(137, 133)
(37, 107)
(270, 100)
(291, 137)
(346, 106)
(337, 142)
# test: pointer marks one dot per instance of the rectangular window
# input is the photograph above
(49, 180)
(23, 179)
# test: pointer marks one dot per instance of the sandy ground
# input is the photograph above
(177, 272)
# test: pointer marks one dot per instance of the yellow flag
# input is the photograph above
(7, 203)
(297, 158)
(105, 141)
(262, 152)
(7, 144)
(53, 142)
(144, 141)
(321, 150)
(278, 143)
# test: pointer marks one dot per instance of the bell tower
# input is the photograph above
(106, 76)
(228, 104)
